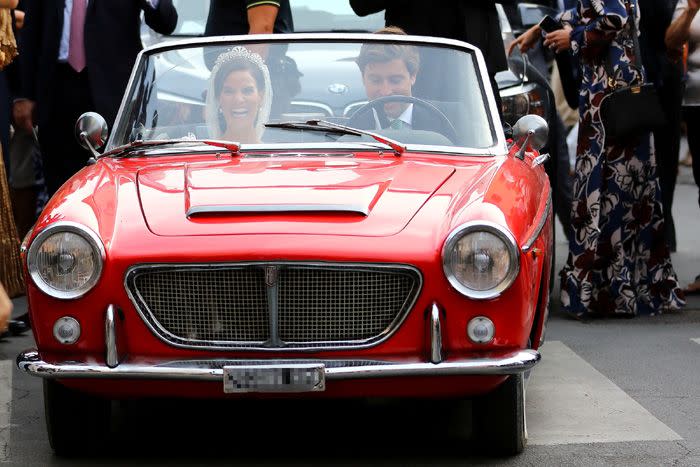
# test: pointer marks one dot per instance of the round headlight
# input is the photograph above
(480, 259)
(65, 260)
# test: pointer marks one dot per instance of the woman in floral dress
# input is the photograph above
(618, 262)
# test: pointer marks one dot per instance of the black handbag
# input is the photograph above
(630, 110)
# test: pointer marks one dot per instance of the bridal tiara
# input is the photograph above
(239, 52)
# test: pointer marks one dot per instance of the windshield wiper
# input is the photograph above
(145, 144)
(323, 125)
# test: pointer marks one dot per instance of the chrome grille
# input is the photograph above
(341, 305)
(273, 305)
(208, 305)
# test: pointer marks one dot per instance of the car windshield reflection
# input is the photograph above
(414, 92)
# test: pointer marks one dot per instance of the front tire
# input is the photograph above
(500, 418)
(76, 422)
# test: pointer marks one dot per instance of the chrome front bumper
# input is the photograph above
(212, 370)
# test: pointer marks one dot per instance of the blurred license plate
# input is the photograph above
(278, 378)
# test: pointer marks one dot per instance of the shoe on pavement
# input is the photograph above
(693, 288)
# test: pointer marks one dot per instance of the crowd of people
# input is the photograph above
(619, 224)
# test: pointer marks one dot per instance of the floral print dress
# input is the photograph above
(618, 262)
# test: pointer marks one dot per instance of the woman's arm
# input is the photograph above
(593, 38)
(8, 3)
(679, 30)
(5, 310)
(529, 38)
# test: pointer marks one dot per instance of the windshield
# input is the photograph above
(414, 93)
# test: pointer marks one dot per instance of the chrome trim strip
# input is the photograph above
(527, 246)
(266, 208)
(518, 89)
(498, 148)
(539, 160)
(65, 226)
(435, 335)
(272, 273)
(175, 341)
(500, 231)
(111, 353)
(512, 363)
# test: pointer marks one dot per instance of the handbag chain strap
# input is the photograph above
(637, 50)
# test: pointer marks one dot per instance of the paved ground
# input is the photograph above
(615, 392)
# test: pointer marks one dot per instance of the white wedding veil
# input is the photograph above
(237, 54)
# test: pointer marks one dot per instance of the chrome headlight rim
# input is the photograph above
(481, 226)
(526, 91)
(73, 227)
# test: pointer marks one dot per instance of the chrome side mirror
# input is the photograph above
(91, 130)
(532, 131)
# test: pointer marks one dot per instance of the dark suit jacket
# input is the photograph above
(227, 17)
(112, 42)
(422, 119)
(472, 21)
(656, 16)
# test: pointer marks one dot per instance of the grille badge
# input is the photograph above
(271, 273)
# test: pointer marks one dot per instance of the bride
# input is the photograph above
(239, 97)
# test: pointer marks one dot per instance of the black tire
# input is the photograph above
(77, 423)
(500, 418)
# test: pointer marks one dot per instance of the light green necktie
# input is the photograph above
(397, 124)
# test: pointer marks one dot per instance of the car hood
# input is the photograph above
(322, 195)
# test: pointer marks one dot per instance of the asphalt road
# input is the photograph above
(615, 392)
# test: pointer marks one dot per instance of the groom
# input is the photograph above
(391, 70)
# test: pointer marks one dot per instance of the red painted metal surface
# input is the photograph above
(138, 208)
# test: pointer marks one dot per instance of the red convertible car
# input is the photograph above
(224, 246)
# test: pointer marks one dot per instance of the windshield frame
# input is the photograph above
(497, 148)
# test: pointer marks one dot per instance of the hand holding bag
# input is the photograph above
(630, 110)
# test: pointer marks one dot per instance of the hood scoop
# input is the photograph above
(320, 195)
(233, 209)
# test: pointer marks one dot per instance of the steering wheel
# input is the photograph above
(378, 105)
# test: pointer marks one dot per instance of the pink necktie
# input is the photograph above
(76, 47)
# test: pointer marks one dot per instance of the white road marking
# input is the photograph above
(569, 402)
(5, 408)
(696, 340)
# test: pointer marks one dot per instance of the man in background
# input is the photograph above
(666, 75)
(77, 57)
(227, 17)
(473, 22)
